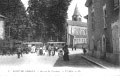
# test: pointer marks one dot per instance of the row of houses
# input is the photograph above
(103, 22)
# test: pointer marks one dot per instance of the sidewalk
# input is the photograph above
(99, 62)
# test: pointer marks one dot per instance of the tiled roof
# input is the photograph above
(76, 23)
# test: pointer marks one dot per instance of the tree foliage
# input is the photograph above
(49, 17)
(16, 19)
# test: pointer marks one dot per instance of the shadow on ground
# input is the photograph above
(75, 61)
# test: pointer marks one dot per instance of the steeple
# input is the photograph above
(76, 15)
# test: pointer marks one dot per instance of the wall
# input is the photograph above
(96, 45)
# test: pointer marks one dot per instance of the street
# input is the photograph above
(42, 61)
(31, 63)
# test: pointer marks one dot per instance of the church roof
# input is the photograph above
(76, 11)
(76, 23)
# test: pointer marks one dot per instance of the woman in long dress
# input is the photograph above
(66, 53)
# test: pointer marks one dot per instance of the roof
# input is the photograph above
(80, 36)
(76, 11)
(76, 23)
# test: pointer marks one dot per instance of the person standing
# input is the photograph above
(84, 50)
(44, 49)
(66, 53)
(52, 50)
(49, 50)
(18, 51)
(72, 48)
(75, 48)
(21, 53)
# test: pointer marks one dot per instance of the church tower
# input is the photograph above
(76, 15)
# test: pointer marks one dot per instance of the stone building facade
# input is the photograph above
(104, 30)
(77, 30)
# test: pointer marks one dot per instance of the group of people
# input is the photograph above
(51, 50)
(46, 49)
(20, 50)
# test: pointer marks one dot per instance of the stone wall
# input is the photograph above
(95, 36)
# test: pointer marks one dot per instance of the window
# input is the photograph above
(85, 40)
(93, 21)
(116, 4)
(82, 40)
(104, 15)
(85, 31)
(79, 40)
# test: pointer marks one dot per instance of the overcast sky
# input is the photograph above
(81, 6)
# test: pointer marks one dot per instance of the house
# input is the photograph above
(104, 30)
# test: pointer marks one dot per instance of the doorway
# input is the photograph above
(103, 46)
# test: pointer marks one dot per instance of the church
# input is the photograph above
(76, 30)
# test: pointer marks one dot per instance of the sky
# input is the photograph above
(81, 6)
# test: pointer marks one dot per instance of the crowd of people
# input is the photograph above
(49, 50)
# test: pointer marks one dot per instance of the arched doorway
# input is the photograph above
(103, 46)
(115, 38)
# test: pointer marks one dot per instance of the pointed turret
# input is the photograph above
(76, 15)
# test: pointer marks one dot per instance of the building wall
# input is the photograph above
(112, 22)
(2, 31)
(79, 34)
(100, 33)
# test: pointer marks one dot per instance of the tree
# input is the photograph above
(49, 16)
(17, 19)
